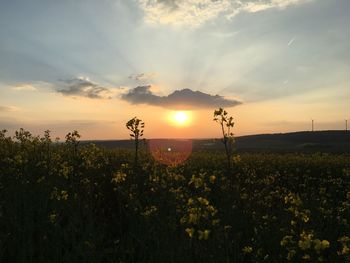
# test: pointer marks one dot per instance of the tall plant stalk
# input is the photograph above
(135, 126)
(226, 124)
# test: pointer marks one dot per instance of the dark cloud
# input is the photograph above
(84, 88)
(143, 76)
(182, 99)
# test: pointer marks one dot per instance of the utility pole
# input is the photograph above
(312, 125)
(346, 125)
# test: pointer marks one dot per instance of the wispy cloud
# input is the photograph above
(8, 108)
(194, 13)
(24, 87)
(84, 87)
(179, 99)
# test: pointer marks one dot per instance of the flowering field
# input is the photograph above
(61, 202)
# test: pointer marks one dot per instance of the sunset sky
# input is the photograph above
(91, 65)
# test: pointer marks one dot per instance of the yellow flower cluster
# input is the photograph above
(202, 234)
(118, 177)
(59, 195)
(247, 250)
(345, 243)
(149, 210)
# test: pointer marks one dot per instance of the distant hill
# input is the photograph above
(304, 141)
(326, 141)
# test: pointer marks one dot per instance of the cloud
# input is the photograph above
(83, 87)
(179, 99)
(194, 13)
(24, 87)
(147, 76)
(8, 109)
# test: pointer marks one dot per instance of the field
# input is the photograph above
(66, 202)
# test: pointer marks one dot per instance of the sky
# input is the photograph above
(91, 65)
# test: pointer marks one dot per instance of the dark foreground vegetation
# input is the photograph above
(61, 202)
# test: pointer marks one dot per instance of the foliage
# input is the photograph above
(70, 202)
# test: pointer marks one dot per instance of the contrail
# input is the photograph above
(291, 41)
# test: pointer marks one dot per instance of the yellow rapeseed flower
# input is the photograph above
(212, 179)
(193, 218)
(190, 232)
(203, 234)
(247, 250)
(325, 244)
(53, 217)
(64, 195)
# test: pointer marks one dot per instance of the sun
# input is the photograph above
(180, 118)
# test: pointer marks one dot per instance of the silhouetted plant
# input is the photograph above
(226, 123)
(136, 126)
(22, 136)
(72, 138)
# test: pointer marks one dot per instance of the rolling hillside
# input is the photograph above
(304, 141)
